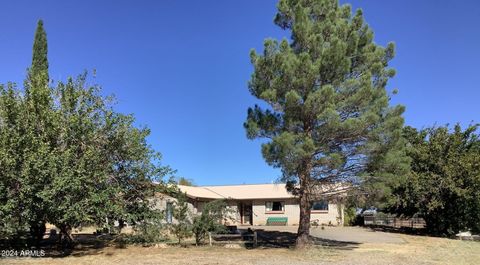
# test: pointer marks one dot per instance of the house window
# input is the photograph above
(274, 206)
(169, 213)
(320, 206)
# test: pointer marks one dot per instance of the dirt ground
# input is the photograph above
(411, 250)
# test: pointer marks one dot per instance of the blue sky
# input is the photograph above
(182, 67)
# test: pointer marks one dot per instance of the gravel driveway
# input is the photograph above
(342, 234)
(356, 235)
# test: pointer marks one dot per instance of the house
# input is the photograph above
(256, 204)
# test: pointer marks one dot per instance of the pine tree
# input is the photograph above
(328, 118)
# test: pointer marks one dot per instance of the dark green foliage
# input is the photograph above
(38, 73)
(40, 50)
(349, 216)
(211, 219)
(146, 232)
(328, 117)
(444, 184)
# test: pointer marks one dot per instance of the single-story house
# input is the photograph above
(256, 204)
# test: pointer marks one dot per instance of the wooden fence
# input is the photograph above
(396, 222)
(233, 239)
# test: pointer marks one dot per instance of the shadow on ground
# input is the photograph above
(91, 244)
(85, 244)
(401, 230)
(281, 239)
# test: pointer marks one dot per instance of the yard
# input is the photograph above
(335, 246)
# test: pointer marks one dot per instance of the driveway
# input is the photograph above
(355, 235)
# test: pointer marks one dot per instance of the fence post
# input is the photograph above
(255, 242)
(210, 238)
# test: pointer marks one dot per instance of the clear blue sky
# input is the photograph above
(182, 67)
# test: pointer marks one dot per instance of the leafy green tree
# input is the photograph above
(327, 110)
(104, 169)
(445, 179)
(69, 159)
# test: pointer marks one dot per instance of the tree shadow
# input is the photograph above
(92, 244)
(400, 230)
(85, 244)
(281, 239)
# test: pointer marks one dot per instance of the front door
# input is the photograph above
(246, 213)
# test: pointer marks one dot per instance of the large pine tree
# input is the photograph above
(327, 115)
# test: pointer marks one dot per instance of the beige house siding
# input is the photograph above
(196, 207)
(292, 212)
(240, 197)
(260, 215)
(330, 217)
(160, 201)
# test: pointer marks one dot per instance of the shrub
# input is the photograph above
(211, 219)
(349, 216)
(182, 227)
(148, 233)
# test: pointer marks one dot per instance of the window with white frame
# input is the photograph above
(274, 206)
(320, 206)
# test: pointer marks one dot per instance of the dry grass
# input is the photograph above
(422, 250)
(416, 250)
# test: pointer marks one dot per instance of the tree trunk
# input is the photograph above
(66, 238)
(121, 225)
(303, 234)
(37, 231)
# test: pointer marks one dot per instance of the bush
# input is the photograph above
(182, 227)
(148, 233)
(349, 216)
(211, 220)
